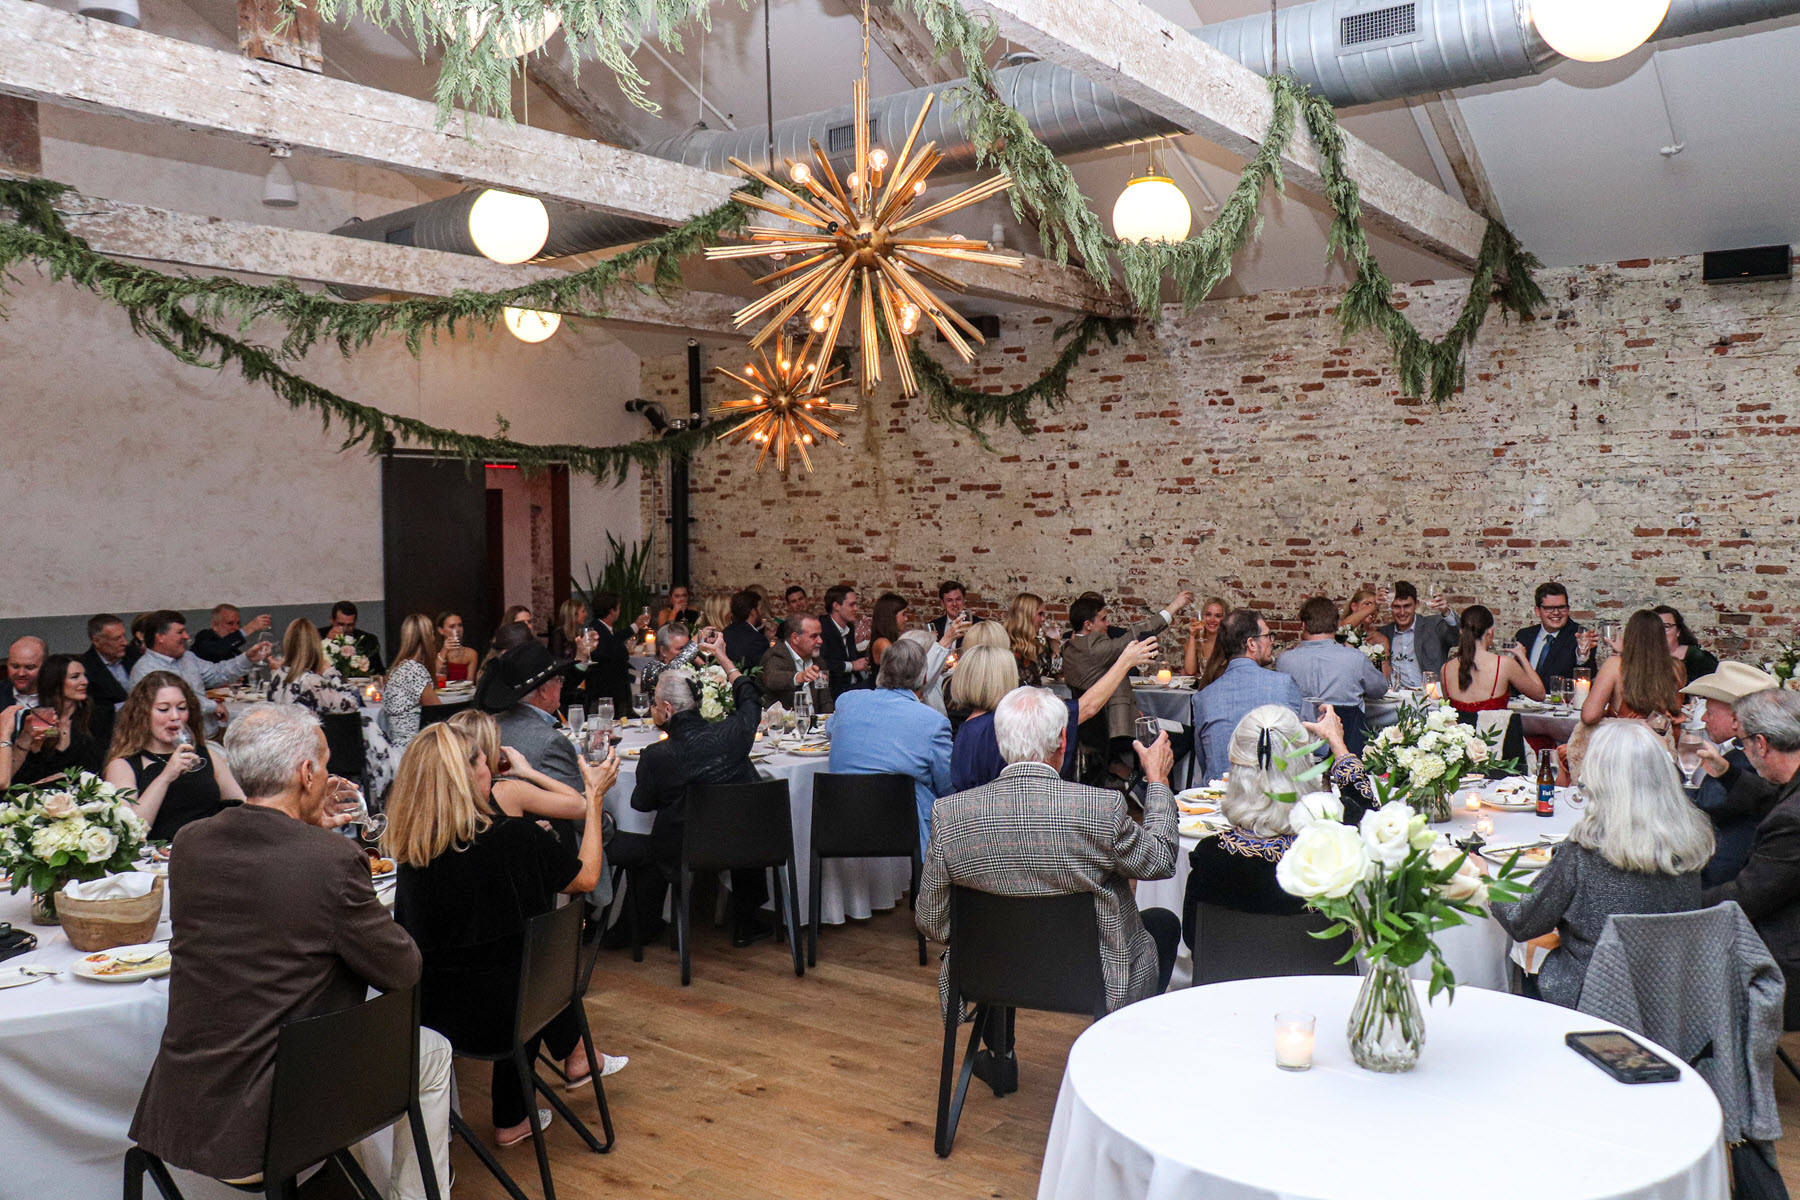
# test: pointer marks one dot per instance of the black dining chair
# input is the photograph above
(1238, 945)
(1007, 953)
(339, 1078)
(860, 816)
(344, 738)
(431, 714)
(739, 827)
(553, 976)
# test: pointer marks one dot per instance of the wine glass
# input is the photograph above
(185, 738)
(1146, 730)
(640, 702)
(1687, 753)
(603, 711)
(347, 797)
(577, 717)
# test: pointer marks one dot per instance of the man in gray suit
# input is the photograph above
(1031, 833)
(1420, 641)
(523, 689)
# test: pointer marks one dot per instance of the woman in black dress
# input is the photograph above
(470, 877)
(178, 781)
(82, 731)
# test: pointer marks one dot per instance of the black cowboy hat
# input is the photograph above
(518, 673)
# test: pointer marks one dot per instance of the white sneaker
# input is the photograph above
(613, 1064)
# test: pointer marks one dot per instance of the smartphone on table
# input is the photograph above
(1622, 1056)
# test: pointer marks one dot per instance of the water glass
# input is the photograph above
(577, 716)
(603, 711)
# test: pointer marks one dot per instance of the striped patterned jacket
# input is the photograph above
(1032, 833)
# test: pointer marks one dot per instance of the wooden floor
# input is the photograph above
(755, 1085)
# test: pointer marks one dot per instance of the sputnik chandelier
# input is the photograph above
(854, 248)
(784, 405)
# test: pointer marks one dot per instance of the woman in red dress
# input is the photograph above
(1478, 680)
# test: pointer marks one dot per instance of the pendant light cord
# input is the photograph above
(768, 89)
(1274, 57)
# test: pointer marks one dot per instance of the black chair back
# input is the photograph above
(737, 826)
(1356, 727)
(344, 736)
(340, 1078)
(431, 714)
(1038, 952)
(549, 970)
(864, 816)
(1238, 945)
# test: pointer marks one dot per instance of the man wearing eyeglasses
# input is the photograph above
(1556, 645)
(1246, 683)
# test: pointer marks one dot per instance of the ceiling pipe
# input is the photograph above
(1353, 52)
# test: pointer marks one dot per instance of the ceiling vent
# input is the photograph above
(841, 139)
(1389, 26)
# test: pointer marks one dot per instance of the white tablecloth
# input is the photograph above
(849, 887)
(1179, 1096)
(1476, 951)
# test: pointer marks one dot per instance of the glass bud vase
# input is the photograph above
(1387, 1028)
(43, 908)
(1435, 804)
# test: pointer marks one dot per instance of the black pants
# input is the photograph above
(649, 875)
(560, 1037)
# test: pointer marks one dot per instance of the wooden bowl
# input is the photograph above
(102, 924)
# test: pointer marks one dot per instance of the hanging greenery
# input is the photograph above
(176, 313)
(480, 39)
(972, 409)
(1045, 188)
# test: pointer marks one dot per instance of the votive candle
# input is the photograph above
(1484, 825)
(1582, 688)
(650, 641)
(1294, 1041)
(1473, 802)
(1164, 676)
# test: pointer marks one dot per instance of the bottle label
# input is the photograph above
(1546, 800)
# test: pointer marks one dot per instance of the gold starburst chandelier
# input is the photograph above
(855, 250)
(784, 404)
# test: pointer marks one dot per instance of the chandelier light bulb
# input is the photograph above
(800, 173)
(1152, 209)
(818, 324)
(919, 188)
(878, 159)
(1597, 30)
(529, 325)
(508, 227)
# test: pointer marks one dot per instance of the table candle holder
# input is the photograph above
(1294, 1037)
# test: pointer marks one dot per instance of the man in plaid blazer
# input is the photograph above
(1032, 833)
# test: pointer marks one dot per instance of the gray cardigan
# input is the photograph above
(1574, 895)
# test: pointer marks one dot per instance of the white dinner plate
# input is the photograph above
(95, 966)
(810, 751)
(12, 977)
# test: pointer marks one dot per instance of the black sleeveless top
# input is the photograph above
(192, 797)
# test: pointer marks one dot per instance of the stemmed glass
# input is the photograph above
(1146, 730)
(347, 797)
(1687, 753)
(185, 738)
(803, 714)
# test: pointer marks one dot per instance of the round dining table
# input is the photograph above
(1477, 951)
(849, 887)
(1179, 1096)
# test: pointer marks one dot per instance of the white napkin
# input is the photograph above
(128, 886)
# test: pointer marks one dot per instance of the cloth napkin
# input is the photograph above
(127, 886)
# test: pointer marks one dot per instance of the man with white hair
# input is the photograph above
(1768, 886)
(890, 730)
(1032, 833)
(1734, 818)
(275, 920)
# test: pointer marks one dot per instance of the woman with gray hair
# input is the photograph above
(1638, 848)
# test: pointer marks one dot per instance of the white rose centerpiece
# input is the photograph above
(78, 827)
(1426, 755)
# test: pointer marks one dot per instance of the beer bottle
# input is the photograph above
(1546, 783)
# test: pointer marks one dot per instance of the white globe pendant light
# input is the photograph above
(508, 227)
(529, 325)
(1152, 209)
(1597, 30)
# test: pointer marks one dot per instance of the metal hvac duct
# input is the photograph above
(1353, 52)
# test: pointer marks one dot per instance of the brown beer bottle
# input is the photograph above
(1546, 783)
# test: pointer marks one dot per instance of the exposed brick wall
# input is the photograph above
(1631, 442)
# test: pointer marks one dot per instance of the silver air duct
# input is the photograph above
(1352, 52)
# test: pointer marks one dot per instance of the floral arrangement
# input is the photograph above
(715, 692)
(1426, 754)
(1393, 884)
(1372, 651)
(341, 653)
(1786, 666)
(78, 827)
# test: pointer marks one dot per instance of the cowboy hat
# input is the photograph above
(1731, 683)
(518, 673)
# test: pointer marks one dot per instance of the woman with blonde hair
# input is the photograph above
(520, 789)
(1638, 848)
(1203, 635)
(470, 878)
(410, 684)
(1359, 620)
(984, 675)
(306, 677)
(987, 633)
(159, 748)
(570, 629)
(1034, 647)
(715, 612)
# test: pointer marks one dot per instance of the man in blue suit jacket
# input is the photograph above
(891, 731)
(1247, 683)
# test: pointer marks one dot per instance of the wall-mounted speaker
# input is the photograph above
(1752, 265)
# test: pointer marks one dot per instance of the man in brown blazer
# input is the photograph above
(275, 919)
(1032, 833)
(1091, 649)
(790, 662)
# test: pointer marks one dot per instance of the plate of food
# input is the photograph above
(631, 752)
(124, 964)
(381, 869)
(1199, 800)
(1512, 795)
(811, 749)
(1200, 824)
(1532, 857)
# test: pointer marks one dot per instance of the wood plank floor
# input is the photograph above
(755, 1085)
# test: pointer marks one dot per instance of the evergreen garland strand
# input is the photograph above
(971, 409)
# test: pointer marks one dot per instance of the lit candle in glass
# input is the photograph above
(1584, 683)
(1164, 676)
(1294, 1041)
(1473, 802)
(1484, 825)
(649, 643)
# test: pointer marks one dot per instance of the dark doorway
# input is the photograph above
(434, 535)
